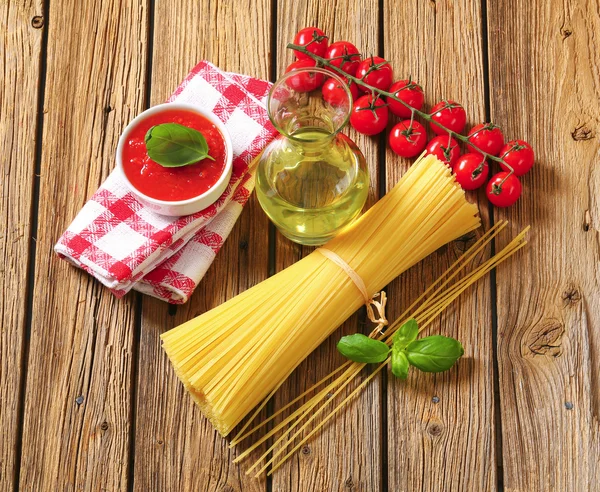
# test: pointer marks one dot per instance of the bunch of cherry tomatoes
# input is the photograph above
(408, 137)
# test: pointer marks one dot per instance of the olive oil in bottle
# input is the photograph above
(312, 184)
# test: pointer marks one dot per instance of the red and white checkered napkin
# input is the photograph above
(124, 245)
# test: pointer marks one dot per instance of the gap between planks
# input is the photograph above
(32, 241)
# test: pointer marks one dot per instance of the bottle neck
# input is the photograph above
(311, 139)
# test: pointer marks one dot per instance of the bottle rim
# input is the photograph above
(284, 78)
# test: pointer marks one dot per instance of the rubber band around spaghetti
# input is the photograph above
(370, 301)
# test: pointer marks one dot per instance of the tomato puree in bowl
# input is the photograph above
(173, 183)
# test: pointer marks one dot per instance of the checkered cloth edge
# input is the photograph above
(126, 246)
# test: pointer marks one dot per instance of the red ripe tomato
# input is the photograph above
(471, 171)
(518, 154)
(450, 114)
(408, 139)
(369, 115)
(446, 149)
(504, 189)
(313, 39)
(410, 92)
(334, 92)
(487, 137)
(376, 72)
(306, 81)
(344, 55)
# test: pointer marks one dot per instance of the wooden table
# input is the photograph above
(88, 400)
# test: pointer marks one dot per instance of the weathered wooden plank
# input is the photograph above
(20, 51)
(78, 391)
(441, 428)
(544, 59)
(176, 447)
(346, 454)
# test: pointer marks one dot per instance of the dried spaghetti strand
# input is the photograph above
(325, 420)
(241, 435)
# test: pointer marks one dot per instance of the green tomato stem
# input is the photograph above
(427, 117)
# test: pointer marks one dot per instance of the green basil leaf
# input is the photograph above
(361, 348)
(406, 334)
(175, 145)
(400, 364)
(434, 354)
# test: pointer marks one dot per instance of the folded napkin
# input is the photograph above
(126, 246)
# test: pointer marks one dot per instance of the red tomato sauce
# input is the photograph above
(173, 183)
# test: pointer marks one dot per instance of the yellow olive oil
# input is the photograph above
(312, 184)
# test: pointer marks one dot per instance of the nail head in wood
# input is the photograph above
(37, 22)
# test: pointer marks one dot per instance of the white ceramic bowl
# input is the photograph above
(191, 205)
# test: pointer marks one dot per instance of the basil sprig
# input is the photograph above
(435, 353)
(175, 145)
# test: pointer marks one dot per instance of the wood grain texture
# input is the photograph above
(544, 59)
(79, 414)
(176, 447)
(346, 455)
(20, 53)
(78, 395)
(441, 427)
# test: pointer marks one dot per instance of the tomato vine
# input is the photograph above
(389, 95)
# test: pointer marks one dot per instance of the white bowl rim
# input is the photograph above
(226, 174)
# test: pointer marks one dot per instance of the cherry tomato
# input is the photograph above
(369, 115)
(376, 72)
(408, 140)
(313, 39)
(306, 81)
(445, 149)
(410, 92)
(504, 189)
(518, 154)
(487, 137)
(344, 55)
(335, 93)
(450, 114)
(471, 171)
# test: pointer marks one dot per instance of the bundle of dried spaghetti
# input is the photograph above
(232, 357)
(302, 418)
